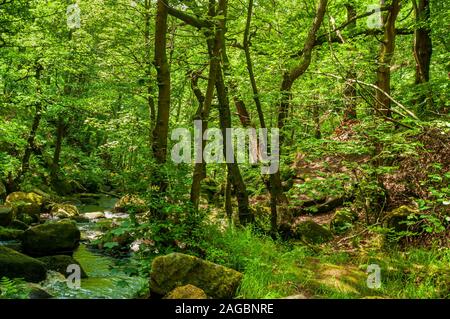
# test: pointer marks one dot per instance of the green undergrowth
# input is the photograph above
(275, 269)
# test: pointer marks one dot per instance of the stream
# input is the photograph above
(105, 279)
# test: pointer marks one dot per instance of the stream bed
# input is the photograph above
(105, 280)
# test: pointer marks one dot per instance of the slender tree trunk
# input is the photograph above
(214, 47)
(148, 71)
(423, 48)
(245, 215)
(34, 128)
(228, 206)
(54, 170)
(382, 102)
(350, 89)
(160, 132)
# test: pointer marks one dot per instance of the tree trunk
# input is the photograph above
(148, 64)
(34, 128)
(423, 50)
(382, 102)
(350, 89)
(214, 47)
(161, 129)
(54, 170)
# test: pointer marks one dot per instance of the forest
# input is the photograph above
(224, 149)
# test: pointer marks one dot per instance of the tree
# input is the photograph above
(382, 102)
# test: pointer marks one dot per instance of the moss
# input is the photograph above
(51, 238)
(186, 292)
(130, 203)
(10, 234)
(396, 218)
(311, 232)
(343, 220)
(16, 265)
(59, 263)
(173, 270)
(64, 211)
(6, 215)
(17, 224)
(25, 203)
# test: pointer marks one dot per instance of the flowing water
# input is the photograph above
(106, 280)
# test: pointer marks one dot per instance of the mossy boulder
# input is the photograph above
(16, 265)
(37, 292)
(10, 233)
(2, 191)
(343, 220)
(396, 219)
(60, 263)
(130, 203)
(52, 238)
(174, 270)
(26, 204)
(17, 224)
(311, 232)
(6, 215)
(62, 211)
(186, 292)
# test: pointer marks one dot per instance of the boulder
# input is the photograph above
(62, 211)
(17, 224)
(26, 204)
(37, 293)
(59, 263)
(396, 218)
(130, 203)
(16, 265)
(311, 232)
(174, 270)
(52, 238)
(10, 234)
(6, 215)
(343, 220)
(2, 190)
(94, 215)
(186, 292)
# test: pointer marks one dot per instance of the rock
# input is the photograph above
(300, 296)
(17, 224)
(175, 269)
(130, 203)
(396, 218)
(37, 293)
(64, 211)
(52, 238)
(343, 220)
(94, 215)
(311, 232)
(59, 263)
(2, 191)
(16, 265)
(10, 234)
(6, 215)
(186, 292)
(28, 204)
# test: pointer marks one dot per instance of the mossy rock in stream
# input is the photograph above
(60, 263)
(51, 238)
(130, 203)
(16, 265)
(17, 224)
(29, 204)
(186, 292)
(10, 233)
(311, 232)
(174, 270)
(6, 215)
(62, 211)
